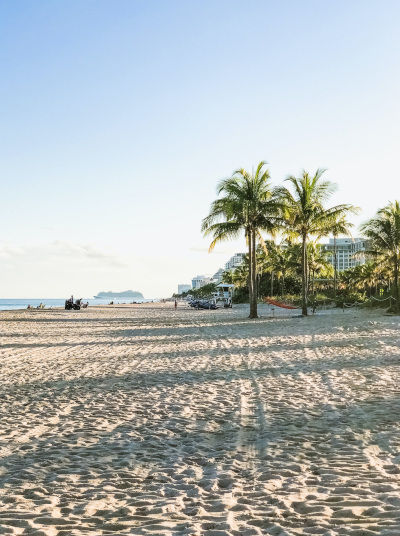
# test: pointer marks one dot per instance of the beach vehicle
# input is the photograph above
(203, 304)
(70, 304)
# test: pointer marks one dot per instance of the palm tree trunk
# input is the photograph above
(249, 280)
(312, 283)
(304, 278)
(272, 284)
(396, 296)
(334, 267)
(314, 306)
(253, 298)
(255, 268)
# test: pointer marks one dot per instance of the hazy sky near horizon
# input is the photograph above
(119, 117)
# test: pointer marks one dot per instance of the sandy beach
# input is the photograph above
(145, 420)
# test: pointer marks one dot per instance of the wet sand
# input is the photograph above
(148, 421)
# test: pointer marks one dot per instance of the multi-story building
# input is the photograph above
(199, 281)
(350, 252)
(184, 288)
(217, 277)
(235, 261)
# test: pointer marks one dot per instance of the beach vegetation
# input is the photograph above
(306, 217)
(247, 203)
(204, 292)
(383, 233)
(297, 269)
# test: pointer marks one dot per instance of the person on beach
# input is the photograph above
(176, 304)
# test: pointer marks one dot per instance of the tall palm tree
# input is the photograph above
(306, 216)
(383, 231)
(249, 204)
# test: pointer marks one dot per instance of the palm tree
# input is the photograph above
(383, 231)
(240, 275)
(349, 278)
(362, 277)
(306, 216)
(276, 260)
(249, 204)
(369, 277)
(227, 277)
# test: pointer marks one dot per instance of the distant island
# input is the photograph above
(123, 294)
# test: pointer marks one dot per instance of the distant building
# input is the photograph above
(217, 277)
(235, 261)
(350, 252)
(199, 281)
(184, 288)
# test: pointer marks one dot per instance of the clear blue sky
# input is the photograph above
(119, 117)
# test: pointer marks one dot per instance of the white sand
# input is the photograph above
(144, 420)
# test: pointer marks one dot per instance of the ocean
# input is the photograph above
(7, 304)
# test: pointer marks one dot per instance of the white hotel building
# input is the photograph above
(234, 261)
(183, 288)
(199, 281)
(350, 252)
